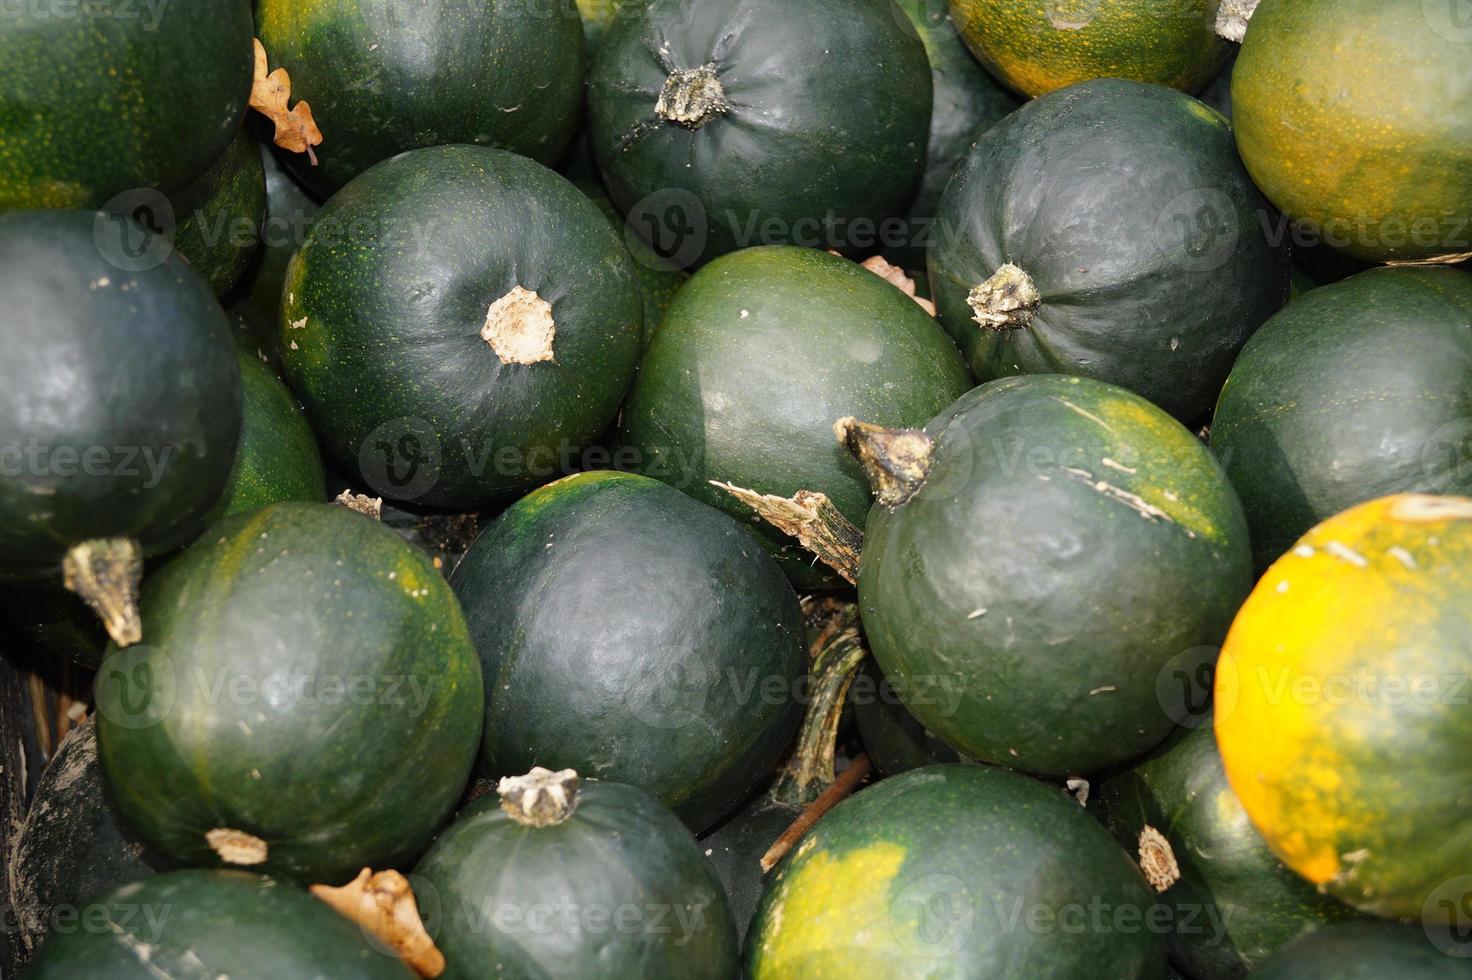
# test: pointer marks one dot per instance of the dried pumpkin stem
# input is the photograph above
(812, 519)
(895, 460)
(832, 796)
(383, 905)
(105, 572)
(541, 798)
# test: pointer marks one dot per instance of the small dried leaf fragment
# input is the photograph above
(295, 129)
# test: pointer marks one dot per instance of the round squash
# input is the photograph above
(1108, 231)
(119, 403)
(1056, 544)
(383, 77)
(1231, 902)
(289, 209)
(722, 124)
(218, 215)
(1341, 705)
(1380, 171)
(96, 105)
(636, 635)
(735, 849)
(1367, 951)
(563, 878)
(1037, 48)
(760, 353)
(1359, 389)
(894, 739)
(308, 702)
(964, 871)
(213, 924)
(278, 458)
(459, 323)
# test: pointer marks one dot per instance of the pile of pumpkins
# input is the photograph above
(713, 488)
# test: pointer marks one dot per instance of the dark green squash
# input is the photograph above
(459, 323)
(964, 871)
(217, 216)
(636, 635)
(735, 848)
(383, 77)
(561, 878)
(308, 703)
(73, 845)
(658, 278)
(1380, 171)
(1231, 902)
(1055, 545)
(719, 124)
(213, 924)
(1357, 390)
(1371, 951)
(1037, 48)
(278, 458)
(119, 402)
(760, 353)
(94, 105)
(289, 209)
(894, 739)
(1108, 231)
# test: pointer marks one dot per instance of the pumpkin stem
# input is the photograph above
(541, 798)
(832, 796)
(812, 519)
(383, 905)
(519, 327)
(837, 654)
(692, 97)
(362, 503)
(1157, 859)
(105, 572)
(894, 460)
(1006, 301)
(1232, 17)
(237, 846)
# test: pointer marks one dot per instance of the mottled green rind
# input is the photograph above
(1358, 390)
(1368, 951)
(214, 924)
(383, 77)
(1030, 594)
(760, 353)
(289, 209)
(658, 279)
(1235, 903)
(1128, 207)
(361, 706)
(894, 739)
(384, 306)
(956, 871)
(91, 106)
(635, 635)
(735, 850)
(218, 215)
(278, 458)
(640, 897)
(825, 135)
(132, 372)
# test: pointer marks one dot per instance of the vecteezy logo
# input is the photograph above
(134, 230)
(400, 459)
(1451, 19)
(1446, 457)
(933, 915)
(1184, 685)
(135, 687)
(1197, 230)
(673, 222)
(1071, 15)
(1446, 916)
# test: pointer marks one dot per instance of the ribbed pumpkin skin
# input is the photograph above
(1234, 903)
(1038, 47)
(956, 871)
(214, 924)
(307, 680)
(384, 76)
(1368, 951)
(218, 215)
(491, 881)
(384, 308)
(1357, 390)
(1068, 544)
(91, 106)
(1343, 683)
(1129, 210)
(824, 138)
(653, 643)
(124, 383)
(1382, 172)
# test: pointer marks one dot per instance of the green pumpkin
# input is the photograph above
(1357, 390)
(289, 209)
(460, 323)
(1061, 544)
(117, 102)
(383, 77)
(561, 878)
(760, 353)
(636, 635)
(308, 703)
(1108, 231)
(894, 739)
(218, 215)
(1369, 951)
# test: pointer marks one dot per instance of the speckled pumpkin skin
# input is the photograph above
(956, 871)
(1037, 46)
(1382, 171)
(91, 106)
(1341, 703)
(307, 679)
(218, 215)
